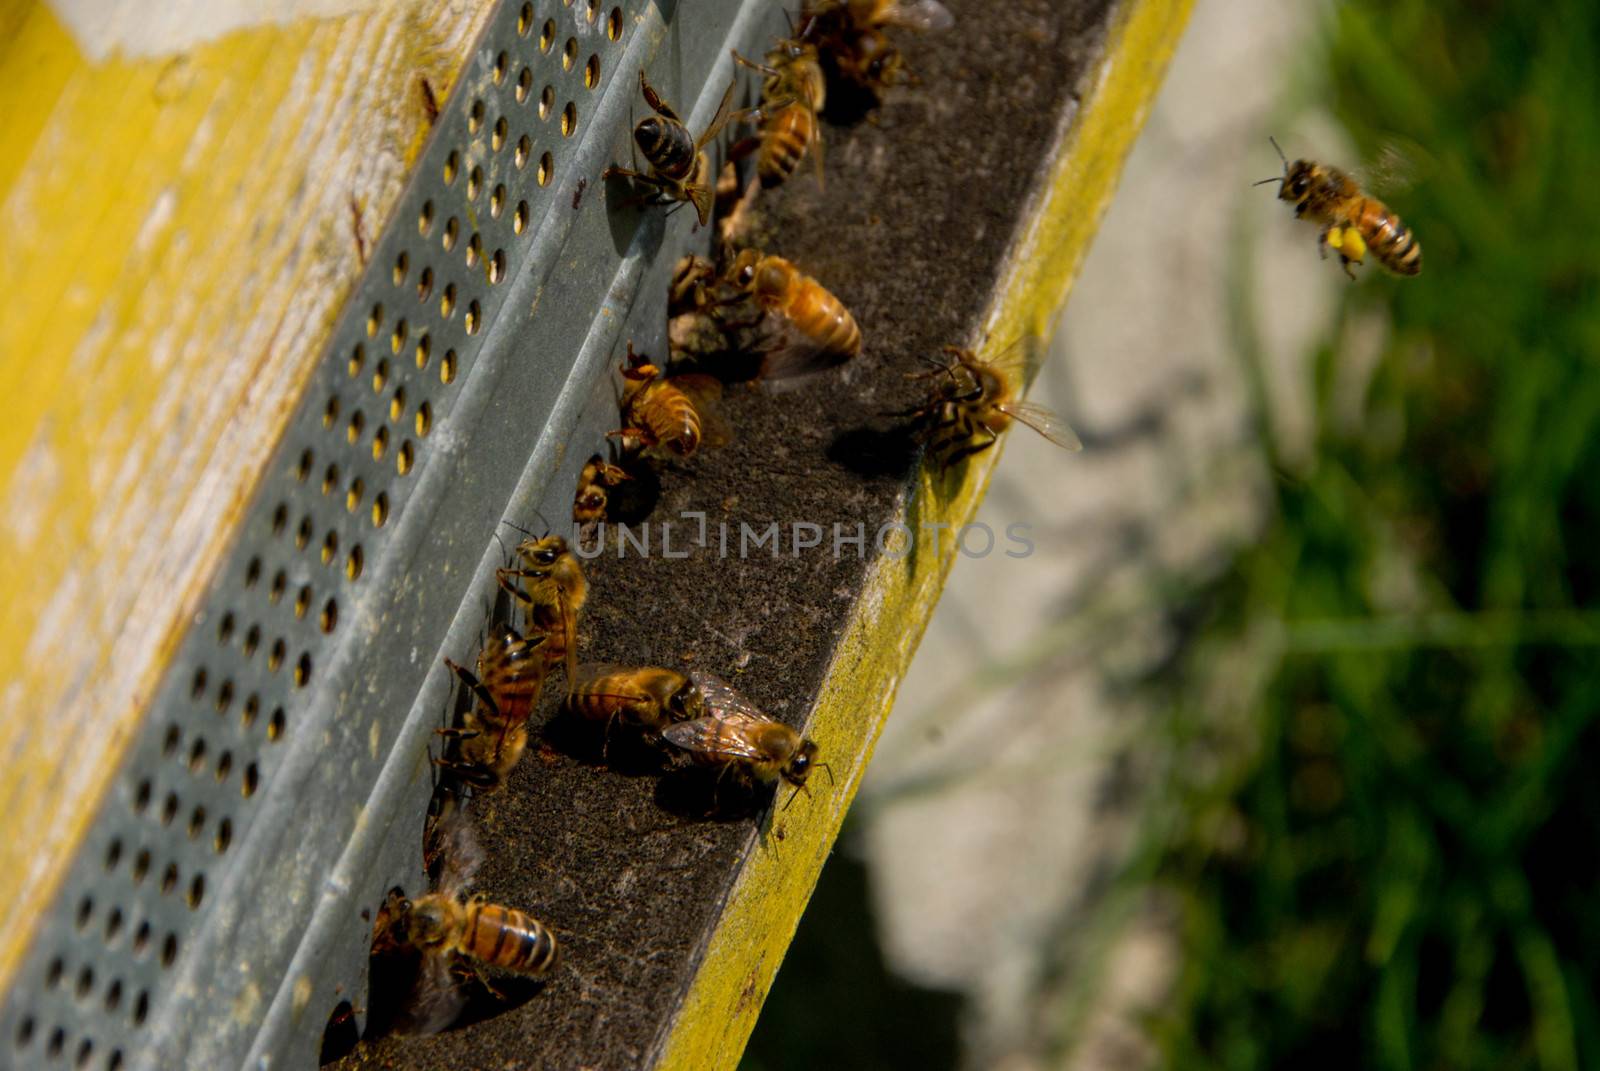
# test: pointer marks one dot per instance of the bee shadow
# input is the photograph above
(703, 793)
(627, 752)
(392, 981)
(876, 451)
(392, 996)
(340, 1036)
(634, 499)
(847, 103)
(515, 991)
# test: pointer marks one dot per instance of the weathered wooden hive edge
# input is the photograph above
(763, 909)
(284, 930)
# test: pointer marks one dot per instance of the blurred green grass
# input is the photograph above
(1384, 842)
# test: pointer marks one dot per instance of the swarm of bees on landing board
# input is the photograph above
(741, 314)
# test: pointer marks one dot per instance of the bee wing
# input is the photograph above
(1397, 166)
(593, 671)
(789, 353)
(652, 98)
(919, 15)
(719, 120)
(721, 697)
(1044, 422)
(436, 1000)
(726, 735)
(1023, 356)
(461, 855)
(703, 390)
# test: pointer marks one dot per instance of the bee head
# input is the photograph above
(425, 923)
(880, 60)
(548, 550)
(1298, 180)
(687, 704)
(799, 767)
(743, 270)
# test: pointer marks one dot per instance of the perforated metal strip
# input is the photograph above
(221, 904)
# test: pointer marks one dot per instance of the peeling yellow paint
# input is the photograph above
(759, 919)
(175, 243)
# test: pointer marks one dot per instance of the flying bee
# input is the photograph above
(648, 698)
(670, 413)
(800, 326)
(850, 37)
(905, 14)
(450, 931)
(792, 93)
(597, 477)
(1352, 221)
(511, 670)
(736, 736)
(973, 402)
(549, 584)
(679, 168)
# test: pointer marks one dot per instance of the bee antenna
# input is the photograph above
(824, 766)
(504, 549)
(1282, 157)
(515, 525)
(1268, 181)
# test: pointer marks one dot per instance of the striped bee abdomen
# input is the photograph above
(509, 939)
(784, 143)
(667, 145)
(1390, 240)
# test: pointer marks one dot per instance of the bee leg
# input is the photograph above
(1346, 262)
(477, 776)
(459, 734)
(475, 686)
(483, 979)
(510, 579)
(761, 68)
(743, 147)
(660, 188)
(605, 739)
(972, 448)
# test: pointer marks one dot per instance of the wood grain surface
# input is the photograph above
(178, 230)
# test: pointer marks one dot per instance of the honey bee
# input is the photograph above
(851, 40)
(1352, 221)
(973, 402)
(792, 93)
(511, 670)
(679, 169)
(671, 413)
(648, 698)
(802, 326)
(549, 583)
(450, 930)
(693, 330)
(692, 281)
(736, 735)
(598, 475)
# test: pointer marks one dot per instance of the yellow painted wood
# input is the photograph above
(771, 892)
(176, 239)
